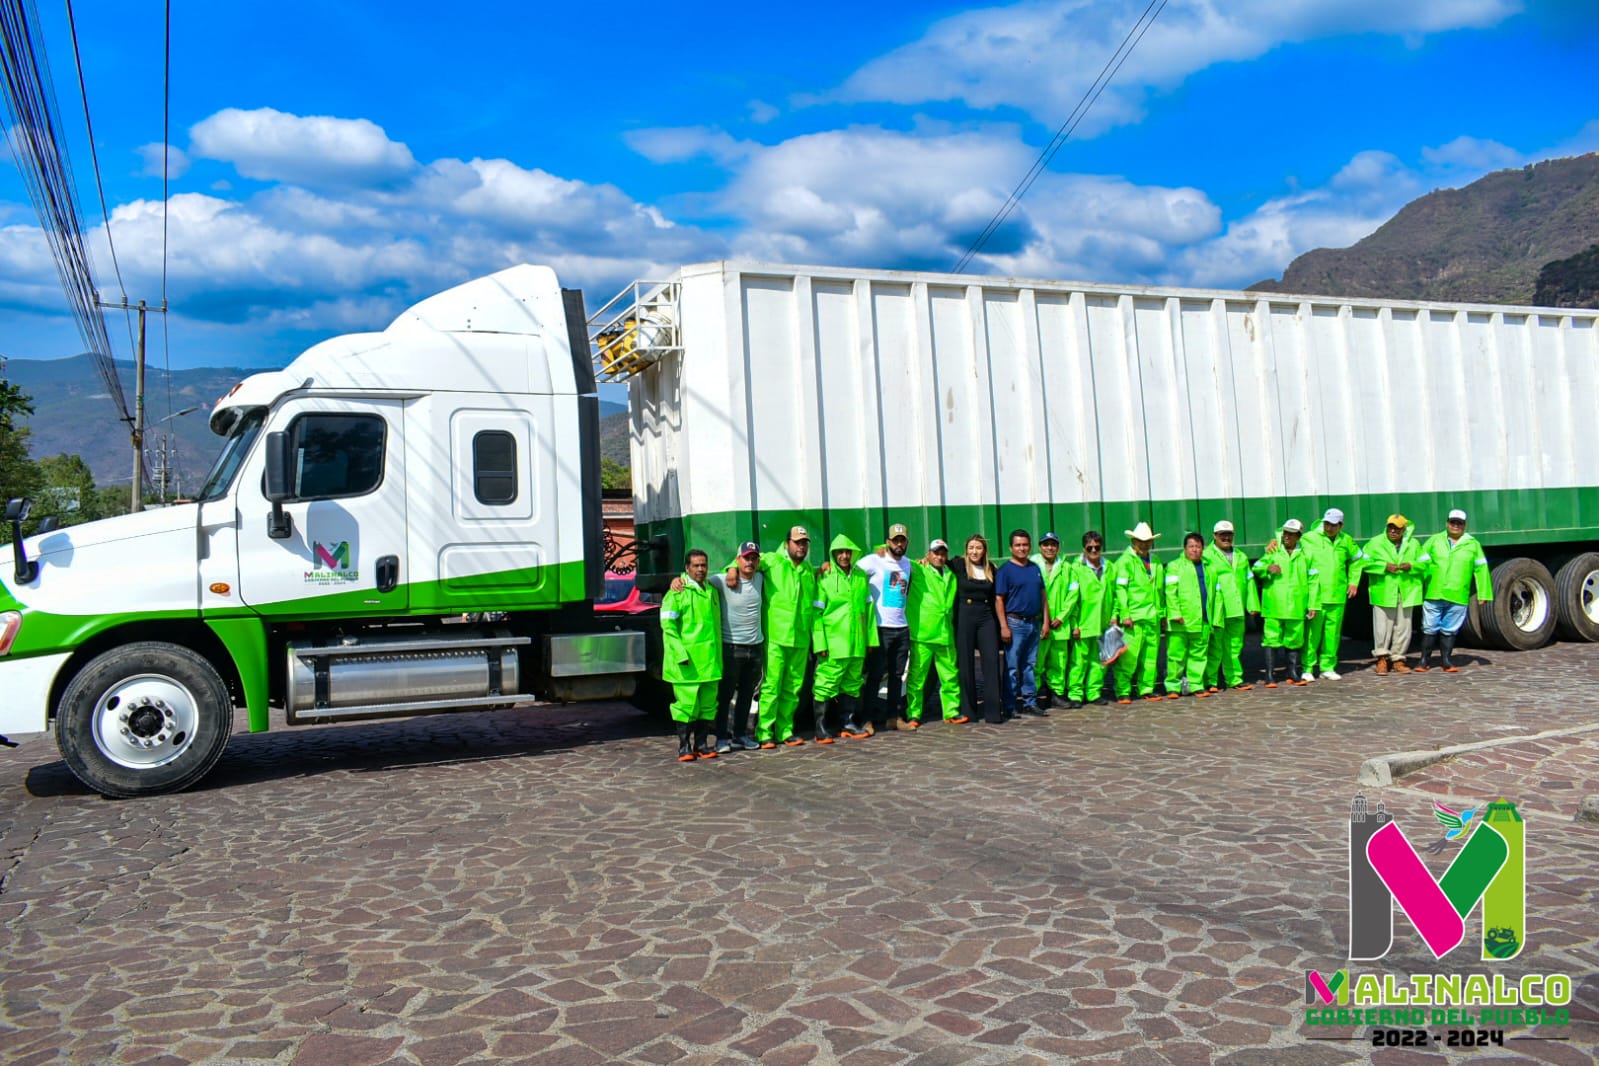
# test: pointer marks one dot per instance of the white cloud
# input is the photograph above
(270, 145)
(1042, 55)
(1473, 153)
(150, 156)
(762, 112)
(681, 143)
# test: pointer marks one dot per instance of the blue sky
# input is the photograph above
(339, 161)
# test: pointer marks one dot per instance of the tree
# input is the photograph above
(19, 475)
(68, 490)
(613, 475)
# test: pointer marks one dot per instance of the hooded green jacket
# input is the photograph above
(846, 621)
(930, 604)
(1401, 589)
(1236, 591)
(789, 611)
(1449, 572)
(1137, 591)
(1182, 597)
(1338, 559)
(691, 634)
(1089, 598)
(1294, 592)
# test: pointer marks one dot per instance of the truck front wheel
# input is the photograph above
(144, 718)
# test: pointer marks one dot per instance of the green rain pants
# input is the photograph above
(1088, 674)
(1226, 666)
(924, 659)
(1054, 657)
(785, 676)
(695, 702)
(1187, 655)
(1322, 636)
(837, 675)
(1284, 633)
(1137, 663)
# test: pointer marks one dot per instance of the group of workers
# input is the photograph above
(1010, 640)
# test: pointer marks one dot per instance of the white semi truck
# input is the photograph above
(384, 484)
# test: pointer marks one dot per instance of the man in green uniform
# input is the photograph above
(1088, 612)
(844, 628)
(1138, 611)
(1289, 591)
(1338, 558)
(691, 638)
(1190, 597)
(1394, 586)
(1451, 562)
(930, 610)
(790, 610)
(1236, 595)
(1054, 646)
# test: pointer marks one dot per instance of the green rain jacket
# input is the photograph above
(1236, 591)
(1182, 595)
(1089, 598)
(1057, 584)
(1294, 592)
(1137, 592)
(1401, 589)
(691, 634)
(1449, 572)
(930, 604)
(1339, 560)
(846, 621)
(789, 611)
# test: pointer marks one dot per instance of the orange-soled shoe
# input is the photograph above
(824, 740)
(1214, 688)
(1451, 669)
(768, 745)
(1152, 696)
(706, 754)
(1271, 684)
(793, 742)
(913, 723)
(1173, 695)
(1241, 687)
(687, 756)
(1125, 699)
(1203, 694)
(957, 720)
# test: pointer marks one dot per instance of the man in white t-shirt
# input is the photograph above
(890, 575)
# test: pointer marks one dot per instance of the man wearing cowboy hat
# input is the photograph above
(1290, 587)
(1137, 607)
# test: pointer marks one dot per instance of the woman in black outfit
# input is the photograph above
(977, 632)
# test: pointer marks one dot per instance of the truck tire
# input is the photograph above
(144, 718)
(1471, 634)
(1577, 598)
(1522, 614)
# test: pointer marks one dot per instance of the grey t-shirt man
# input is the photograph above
(741, 608)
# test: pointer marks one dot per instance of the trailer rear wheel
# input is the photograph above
(144, 718)
(1522, 614)
(1577, 598)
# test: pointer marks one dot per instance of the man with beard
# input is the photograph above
(890, 575)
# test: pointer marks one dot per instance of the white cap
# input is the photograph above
(1333, 515)
(1223, 526)
(1293, 525)
(1457, 513)
(937, 544)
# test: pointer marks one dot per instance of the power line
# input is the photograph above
(1090, 95)
(166, 155)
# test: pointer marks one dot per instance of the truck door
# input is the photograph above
(345, 552)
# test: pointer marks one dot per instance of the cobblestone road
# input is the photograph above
(1145, 884)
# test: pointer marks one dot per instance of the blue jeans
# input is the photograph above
(1441, 616)
(1020, 658)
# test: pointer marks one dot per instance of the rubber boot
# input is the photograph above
(1271, 667)
(853, 727)
(685, 745)
(1448, 641)
(1293, 669)
(702, 749)
(1429, 641)
(823, 710)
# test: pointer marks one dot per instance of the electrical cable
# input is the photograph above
(1067, 128)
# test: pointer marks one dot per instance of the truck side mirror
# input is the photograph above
(17, 513)
(280, 525)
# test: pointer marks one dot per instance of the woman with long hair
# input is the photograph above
(977, 633)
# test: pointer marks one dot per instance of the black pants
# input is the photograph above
(890, 657)
(977, 633)
(741, 680)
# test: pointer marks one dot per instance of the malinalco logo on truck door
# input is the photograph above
(331, 564)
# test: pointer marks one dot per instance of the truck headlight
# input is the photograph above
(10, 625)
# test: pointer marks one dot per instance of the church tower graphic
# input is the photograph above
(1371, 906)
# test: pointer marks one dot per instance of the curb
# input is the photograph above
(1381, 771)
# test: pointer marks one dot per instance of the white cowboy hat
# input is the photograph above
(1142, 532)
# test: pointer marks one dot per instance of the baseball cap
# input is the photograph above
(798, 533)
(897, 530)
(1223, 526)
(1398, 520)
(749, 547)
(1333, 515)
(1457, 515)
(1047, 537)
(1293, 525)
(938, 545)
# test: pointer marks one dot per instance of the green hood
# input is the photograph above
(841, 542)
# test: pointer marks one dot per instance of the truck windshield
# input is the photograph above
(223, 471)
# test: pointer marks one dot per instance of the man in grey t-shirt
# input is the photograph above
(743, 650)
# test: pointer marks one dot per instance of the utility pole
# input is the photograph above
(137, 503)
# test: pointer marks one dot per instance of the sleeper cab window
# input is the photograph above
(494, 467)
(336, 455)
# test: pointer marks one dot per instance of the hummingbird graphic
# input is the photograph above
(1456, 825)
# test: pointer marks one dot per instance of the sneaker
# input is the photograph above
(1307, 677)
(1331, 675)
(748, 743)
(724, 746)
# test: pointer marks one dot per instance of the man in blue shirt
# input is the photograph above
(1023, 616)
